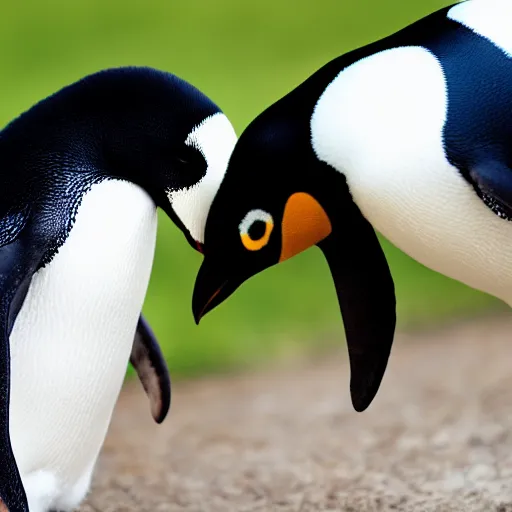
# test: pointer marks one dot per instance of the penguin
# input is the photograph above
(81, 176)
(409, 137)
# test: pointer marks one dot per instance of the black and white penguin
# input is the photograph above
(81, 176)
(410, 136)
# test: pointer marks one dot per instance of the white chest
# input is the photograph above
(380, 123)
(72, 339)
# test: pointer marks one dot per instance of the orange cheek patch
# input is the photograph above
(305, 223)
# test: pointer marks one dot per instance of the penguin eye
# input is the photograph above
(255, 229)
(188, 156)
(191, 164)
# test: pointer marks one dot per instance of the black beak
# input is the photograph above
(197, 246)
(212, 287)
(366, 296)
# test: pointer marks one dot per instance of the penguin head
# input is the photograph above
(183, 168)
(141, 124)
(273, 204)
(174, 141)
(267, 209)
(278, 199)
(203, 158)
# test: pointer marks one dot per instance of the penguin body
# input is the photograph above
(87, 168)
(410, 125)
(72, 353)
(410, 136)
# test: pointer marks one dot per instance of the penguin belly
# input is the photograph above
(71, 343)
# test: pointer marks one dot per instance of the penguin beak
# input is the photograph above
(210, 290)
(361, 276)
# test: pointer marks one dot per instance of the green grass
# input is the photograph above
(245, 55)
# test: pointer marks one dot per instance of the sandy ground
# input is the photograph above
(438, 437)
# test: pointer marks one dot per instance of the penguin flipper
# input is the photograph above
(150, 365)
(493, 181)
(366, 295)
(19, 259)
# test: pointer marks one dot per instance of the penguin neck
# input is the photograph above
(41, 155)
(49, 173)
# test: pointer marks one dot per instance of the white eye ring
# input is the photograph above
(246, 224)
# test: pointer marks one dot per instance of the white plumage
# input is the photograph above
(380, 123)
(72, 340)
(215, 139)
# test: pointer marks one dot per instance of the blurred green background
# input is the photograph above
(244, 55)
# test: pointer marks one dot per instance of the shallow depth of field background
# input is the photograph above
(244, 55)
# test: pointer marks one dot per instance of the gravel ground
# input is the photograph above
(438, 437)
